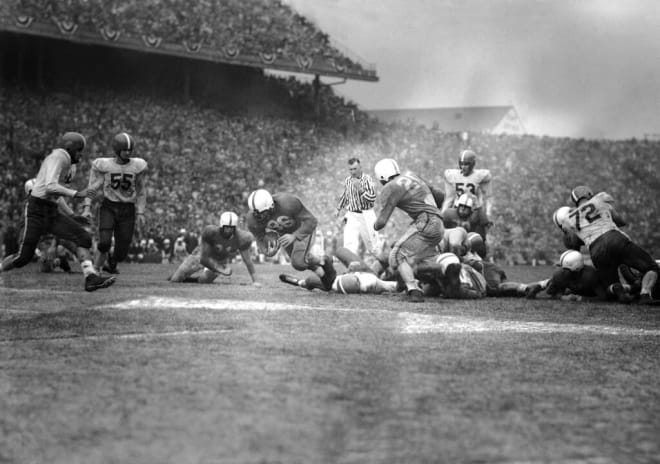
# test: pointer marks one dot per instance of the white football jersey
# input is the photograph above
(472, 279)
(119, 180)
(592, 218)
(456, 184)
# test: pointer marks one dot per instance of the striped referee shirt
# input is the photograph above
(355, 201)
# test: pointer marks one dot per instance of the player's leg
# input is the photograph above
(123, 230)
(66, 228)
(190, 265)
(302, 259)
(107, 222)
(402, 259)
(35, 223)
(352, 232)
(368, 233)
(637, 258)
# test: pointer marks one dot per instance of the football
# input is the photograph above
(271, 243)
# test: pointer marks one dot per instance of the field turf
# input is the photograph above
(153, 372)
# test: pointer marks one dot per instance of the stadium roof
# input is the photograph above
(80, 28)
(491, 119)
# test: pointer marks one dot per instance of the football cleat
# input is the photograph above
(96, 282)
(415, 296)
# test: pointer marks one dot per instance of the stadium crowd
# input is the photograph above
(252, 27)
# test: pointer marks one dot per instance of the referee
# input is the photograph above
(358, 201)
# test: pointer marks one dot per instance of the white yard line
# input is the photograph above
(426, 324)
(120, 336)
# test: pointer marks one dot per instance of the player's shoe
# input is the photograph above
(96, 282)
(532, 290)
(415, 296)
(647, 300)
(621, 295)
(289, 279)
(329, 273)
(225, 270)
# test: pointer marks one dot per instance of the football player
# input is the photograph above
(467, 179)
(574, 281)
(219, 246)
(43, 215)
(359, 278)
(414, 196)
(595, 222)
(122, 178)
(466, 215)
(282, 220)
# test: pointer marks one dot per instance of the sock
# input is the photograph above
(88, 267)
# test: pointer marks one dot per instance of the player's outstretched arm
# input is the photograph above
(247, 259)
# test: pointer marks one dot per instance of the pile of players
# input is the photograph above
(442, 253)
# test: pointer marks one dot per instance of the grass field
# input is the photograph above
(153, 372)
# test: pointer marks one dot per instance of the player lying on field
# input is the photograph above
(358, 279)
(219, 246)
(575, 281)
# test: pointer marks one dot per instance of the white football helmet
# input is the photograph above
(385, 169)
(29, 185)
(571, 260)
(228, 219)
(261, 204)
(445, 259)
(561, 215)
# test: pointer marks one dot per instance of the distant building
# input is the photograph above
(490, 119)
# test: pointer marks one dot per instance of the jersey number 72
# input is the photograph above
(590, 215)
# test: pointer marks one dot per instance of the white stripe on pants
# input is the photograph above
(361, 226)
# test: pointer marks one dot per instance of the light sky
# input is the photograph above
(576, 68)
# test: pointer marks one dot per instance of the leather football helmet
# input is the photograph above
(580, 192)
(122, 142)
(466, 162)
(74, 143)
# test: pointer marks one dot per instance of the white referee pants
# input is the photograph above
(361, 226)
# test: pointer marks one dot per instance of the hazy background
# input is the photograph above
(587, 68)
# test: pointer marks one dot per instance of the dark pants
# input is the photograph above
(42, 217)
(614, 248)
(118, 219)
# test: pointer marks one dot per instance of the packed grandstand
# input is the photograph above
(224, 127)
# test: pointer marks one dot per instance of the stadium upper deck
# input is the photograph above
(256, 33)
